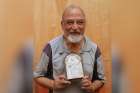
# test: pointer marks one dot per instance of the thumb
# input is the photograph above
(61, 77)
(86, 77)
(66, 82)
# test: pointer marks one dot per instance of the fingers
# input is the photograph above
(61, 82)
(85, 80)
(86, 83)
(61, 77)
(86, 77)
(66, 82)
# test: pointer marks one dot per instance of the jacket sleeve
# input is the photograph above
(44, 67)
(98, 72)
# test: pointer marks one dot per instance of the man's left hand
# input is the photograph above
(87, 85)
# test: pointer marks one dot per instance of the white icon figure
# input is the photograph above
(73, 66)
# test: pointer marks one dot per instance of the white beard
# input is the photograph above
(74, 38)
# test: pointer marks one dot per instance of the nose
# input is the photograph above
(75, 26)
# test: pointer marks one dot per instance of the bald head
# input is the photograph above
(72, 8)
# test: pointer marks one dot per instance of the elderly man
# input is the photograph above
(71, 63)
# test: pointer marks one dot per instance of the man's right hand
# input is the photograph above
(60, 82)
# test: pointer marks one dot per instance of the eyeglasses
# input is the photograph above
(71, 22)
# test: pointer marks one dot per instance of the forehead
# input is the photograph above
(73, 14)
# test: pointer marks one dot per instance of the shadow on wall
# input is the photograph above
(21, 74)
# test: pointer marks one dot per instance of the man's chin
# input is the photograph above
(74, 42)
(74, 38)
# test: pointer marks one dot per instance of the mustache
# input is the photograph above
(75, 32)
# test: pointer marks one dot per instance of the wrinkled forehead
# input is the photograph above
(73, 13)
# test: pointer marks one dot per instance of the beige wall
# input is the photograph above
(125, 31)
(16, 25)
